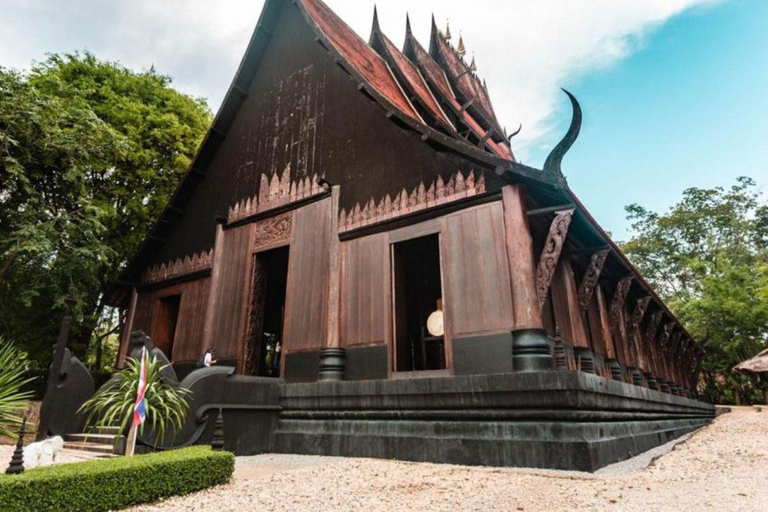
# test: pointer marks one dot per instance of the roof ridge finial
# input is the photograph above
(447, 29)
(461, 48)
(375, 27)
(408, 25)
(473, 66)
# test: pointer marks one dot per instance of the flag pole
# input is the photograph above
(131, 441)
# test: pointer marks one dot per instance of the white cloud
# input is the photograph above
(525, 49)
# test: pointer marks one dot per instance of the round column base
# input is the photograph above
(531, 351)
(585, 360)
(332, 364)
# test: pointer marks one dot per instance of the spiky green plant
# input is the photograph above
(166, 405)
(12, 398)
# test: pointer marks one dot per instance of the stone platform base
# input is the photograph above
(558, 420)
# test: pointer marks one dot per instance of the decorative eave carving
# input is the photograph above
(558, 231)
(664, 339)
(653, 326)
(420, 198)
(618, 300)
(275, 192)
(178, 268)
(591, 278)
(273, 230)
(639, 312)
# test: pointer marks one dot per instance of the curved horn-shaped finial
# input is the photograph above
(519, 129)
(555, 158)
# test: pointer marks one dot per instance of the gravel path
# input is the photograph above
(65, 457)
(723, 467)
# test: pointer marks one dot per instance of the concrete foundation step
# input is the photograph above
(107, 439)
(114, 431)
(104, 449)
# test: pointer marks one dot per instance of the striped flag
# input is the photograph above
(140, 407)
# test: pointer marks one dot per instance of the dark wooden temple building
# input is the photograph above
(356, 234)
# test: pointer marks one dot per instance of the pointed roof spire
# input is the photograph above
(473, 66)
(447, 30)
(407, 25)
(375, 27)
(461, 48)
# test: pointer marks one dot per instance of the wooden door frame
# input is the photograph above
(159, 295)
(404, 234)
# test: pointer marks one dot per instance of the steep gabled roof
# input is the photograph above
(437, 77)
(358, 54)
(463, 79)
(409, 76)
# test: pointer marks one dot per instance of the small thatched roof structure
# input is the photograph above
(758, 364)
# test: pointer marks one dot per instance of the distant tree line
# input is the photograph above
(708, 258)
(90, 153)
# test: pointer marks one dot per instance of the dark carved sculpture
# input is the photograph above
(639, 312)
(591, 277)
(558, 231)
(555, 158)
(653, 326)
(58, 415)
(617, 303)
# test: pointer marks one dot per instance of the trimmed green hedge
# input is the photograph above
(111, 484)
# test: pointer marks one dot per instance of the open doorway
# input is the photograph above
(264, 338)
(164, 326)
(417, 296)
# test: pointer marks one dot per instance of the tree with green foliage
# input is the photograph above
(708, 258)
(90, 152)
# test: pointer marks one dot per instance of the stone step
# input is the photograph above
(104, 430)
(108, 439)
(103, 449)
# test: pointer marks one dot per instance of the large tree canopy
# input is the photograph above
(90, 152)
(708, 258)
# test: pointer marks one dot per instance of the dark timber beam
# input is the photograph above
(550, 209)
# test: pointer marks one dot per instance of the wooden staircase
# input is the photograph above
(106, 441)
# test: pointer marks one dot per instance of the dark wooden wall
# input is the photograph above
(306, 308)
(476, 272)
(304, 114)
(366, 313)
(232, 265)
(189, 327)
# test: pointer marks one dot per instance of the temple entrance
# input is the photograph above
(264, 338)
(164, 327)
(419, 339)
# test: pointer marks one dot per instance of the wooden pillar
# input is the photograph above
(651, 329)
(530, 347)
(332, 357)
(127, 328)
(618, 328)
(636, 340)
(568, 316)
(590, 311)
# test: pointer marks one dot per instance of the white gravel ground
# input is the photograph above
(723, 467)
(65, 457)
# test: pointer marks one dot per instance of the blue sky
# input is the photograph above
(688, 109)
(673, 91)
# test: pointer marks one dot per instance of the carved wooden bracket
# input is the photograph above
(666, 333)
(653, 326)
(591, 277)
(558, 231)
(618, 300)
(637, 315)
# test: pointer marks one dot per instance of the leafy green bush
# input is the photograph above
(111, 484)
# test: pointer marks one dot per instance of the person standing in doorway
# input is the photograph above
(208, 359)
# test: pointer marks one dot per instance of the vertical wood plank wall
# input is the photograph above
(366, 313)
(228, 300)
(476, 272)
(188, 344)
(306, 303)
